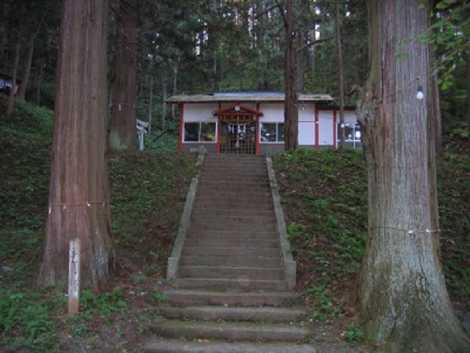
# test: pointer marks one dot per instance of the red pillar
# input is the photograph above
(218, 134)
(335, 129)
(258, 149)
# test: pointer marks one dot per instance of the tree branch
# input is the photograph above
(315, 42)
(283, 14)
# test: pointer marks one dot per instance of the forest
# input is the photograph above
(93, 97)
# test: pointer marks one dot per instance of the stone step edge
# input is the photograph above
(231, 331)
(234, 313)
(156, 345)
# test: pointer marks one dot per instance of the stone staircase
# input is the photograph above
(231, 294)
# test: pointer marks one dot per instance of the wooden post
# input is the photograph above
(74, 276)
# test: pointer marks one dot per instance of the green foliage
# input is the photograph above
(323, 307)
(25, 319)
(354, 334)
(159, 297)
(103, 304)
(147, 197)
(325, 199)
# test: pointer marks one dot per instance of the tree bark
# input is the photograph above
(78, 194)
(40, 74)
(290, 77)
(164, 98)
(27, 69)
(123, 132)
(467, 75)
(11, 98)
(175, 88)
(339, 54)
(404, 303)
(150, 107)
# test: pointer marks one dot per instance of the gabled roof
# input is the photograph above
(246, 97)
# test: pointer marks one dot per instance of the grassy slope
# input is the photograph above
(148, 192)
(325, 197)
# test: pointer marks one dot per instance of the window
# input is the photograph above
(191, 132)
(352, 133)
(199, 132)
(207, 132)
(272, 132)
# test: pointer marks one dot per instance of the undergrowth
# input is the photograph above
(325, 198)
(147, 196)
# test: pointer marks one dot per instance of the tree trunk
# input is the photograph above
(79, 195)
(11, 98)
(300, 62)
(150, 108)
(467, 74)
(164, 98)
(339, 54)
(291, 103)
(404, 303)
(123, 132)
(27, 69)
(39, 79)
(175, 88)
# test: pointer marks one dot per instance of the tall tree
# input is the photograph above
(78, 194)
(14, 74)
(290, 79)
(123, 133)
(27, 68)
(339, 55)
(404, 302)
(467, 75)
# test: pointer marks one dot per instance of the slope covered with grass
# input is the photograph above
(325, 199)
(147, 195)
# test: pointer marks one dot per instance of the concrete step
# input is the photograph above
(234, 213)
(234, 207)
(225, 284)
(232, 242)
(182, 297)
(208, 191)
(233, 200)
(253, 218)
(231, 331)
(230, 251)
(175, 346)
(241, 260)
(232, 183)
(216, 313)
(251, 206)
(250, 170)
(233, 272)
(203, 225)
(227, 233)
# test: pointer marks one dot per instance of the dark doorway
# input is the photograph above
(238, 136)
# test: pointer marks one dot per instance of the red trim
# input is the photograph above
(217, 147)
(258, 114)
(335, 129)
(317, 127)
(180, 137)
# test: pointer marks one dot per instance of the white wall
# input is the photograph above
(199, 112)
(326, 127)
(307, 124)
(272, 112)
